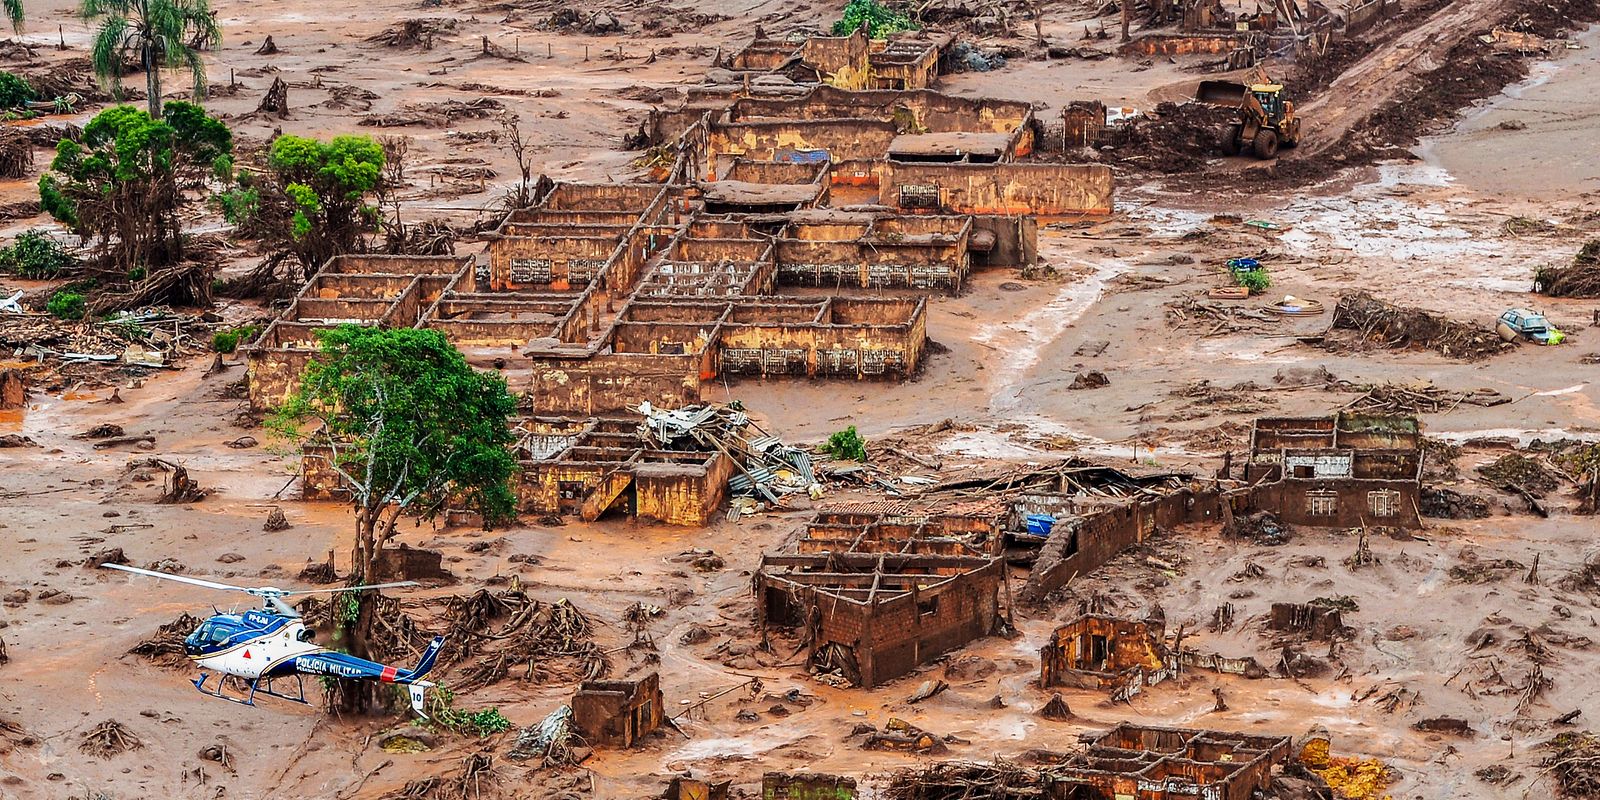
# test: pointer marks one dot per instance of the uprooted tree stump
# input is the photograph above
(179, 487)
(276, 521)
(165, 648)
(1056, 710)
(267, 47)
(276, 100)
(16, 154)
(13, 389)
(109, 738)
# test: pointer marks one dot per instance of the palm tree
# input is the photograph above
(166, 34)
(13, 11)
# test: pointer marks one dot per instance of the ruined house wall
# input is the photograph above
(318, 479)
(807, 349)
(1015, 240)
(906, 632)
(395, 265)
(558, 263)
(613, 383)
(618, 713)
(1129, 644)
(1007, 188)
(274, 374)
(896, 73)
(1341, 503)
(601, 196)
(1082, 544)
(841, 139)
(806, 786)
(829, 54)
(1168, 45)
(540, 485)
(872, 264)
(681, 494)
(1364, 16)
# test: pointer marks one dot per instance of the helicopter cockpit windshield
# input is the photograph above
(206, 637)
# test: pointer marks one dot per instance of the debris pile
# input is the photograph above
(413, 33)
(551, 741)
(109, 738)
(1399, 328)
(965, 779)
(132, 342)
(475, 776)
(1515, 472)
(512, 635)
(1425, 398)
(1581, 278)
(1575, 762)
(765, 468)
(165, 648)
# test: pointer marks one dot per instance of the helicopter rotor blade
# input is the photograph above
(179, 578)
(352, 588)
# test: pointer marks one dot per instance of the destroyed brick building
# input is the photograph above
(1341, 471)
(796, 234)
(1094, 650)
(618, 713)
(872, 617)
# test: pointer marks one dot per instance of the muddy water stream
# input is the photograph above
(1536, 138)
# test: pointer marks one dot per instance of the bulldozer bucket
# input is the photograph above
(1222, 93)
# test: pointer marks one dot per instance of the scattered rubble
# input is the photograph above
(1398, 327)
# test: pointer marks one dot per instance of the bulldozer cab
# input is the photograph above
(1270, 96)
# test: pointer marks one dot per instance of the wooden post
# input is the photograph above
(1127, 16)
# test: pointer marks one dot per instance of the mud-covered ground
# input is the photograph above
(1435, 633)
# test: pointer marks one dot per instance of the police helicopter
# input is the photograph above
(260, 646)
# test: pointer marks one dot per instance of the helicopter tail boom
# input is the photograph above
(424, 664)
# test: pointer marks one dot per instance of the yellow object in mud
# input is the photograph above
(1357, 779)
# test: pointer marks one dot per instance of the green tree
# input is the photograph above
(410, 428)
(122, 187)
(14, 90)
(879, 19)
(13, 9)
(314, 200)
(160, 34)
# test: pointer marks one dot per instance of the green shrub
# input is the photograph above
(847, 444)
(1256, 280)
(14, 90)
(229, 340)
(36, 256)
(441, 707)
(67, 305)
(880, 20)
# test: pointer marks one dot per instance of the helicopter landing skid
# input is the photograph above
(257, 686)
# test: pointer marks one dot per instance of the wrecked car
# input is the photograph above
(1520, 323)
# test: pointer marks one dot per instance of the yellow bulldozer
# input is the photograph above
(1266, 120)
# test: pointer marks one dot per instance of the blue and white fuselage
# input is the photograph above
(259, 646)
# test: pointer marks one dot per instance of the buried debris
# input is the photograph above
(554, 741)
(475, 778)
(1093, 379)
(1581, 278)
(109, 738)
(1402, 328)
(764, 468)
(276, 521)
(1574, 761)
(1393, 398)
(901, 736)
(1056, 710)
(165, 648)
